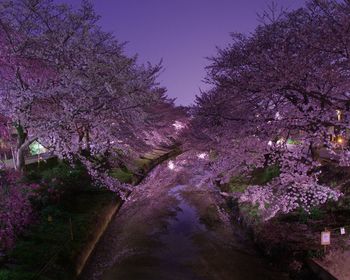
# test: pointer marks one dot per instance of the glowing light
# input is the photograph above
(202, 155)
(280, 141)
(171, 165)
(178, 125)
(269, 143)
(340, 140)
(338, 114)
(278, 116)
(36, 148)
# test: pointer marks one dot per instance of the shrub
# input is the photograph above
(58, 181)
(16, 211)
(65, 176)
(16, 275)
(262, 176)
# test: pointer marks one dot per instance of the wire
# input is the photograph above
(337, 228)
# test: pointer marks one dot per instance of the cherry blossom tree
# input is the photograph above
(69, 85)
(23, 74)
(287, 80)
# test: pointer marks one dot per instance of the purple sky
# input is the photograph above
(181, 32)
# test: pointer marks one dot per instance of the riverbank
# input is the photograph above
(292, 241)
(71, 220)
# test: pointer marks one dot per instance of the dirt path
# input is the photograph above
(173, 228)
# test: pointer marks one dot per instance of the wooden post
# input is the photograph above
(71, 228)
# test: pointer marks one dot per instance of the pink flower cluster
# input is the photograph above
(16, 211)
(277, 197)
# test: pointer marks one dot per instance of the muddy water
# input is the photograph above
(190, 241)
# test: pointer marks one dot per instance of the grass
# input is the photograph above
(238, 184)
(142, 163)
(123, 175)
(145, 163)
(50, 239)
(261, 176)
(49, 248)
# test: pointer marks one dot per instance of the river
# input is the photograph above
(175, 227)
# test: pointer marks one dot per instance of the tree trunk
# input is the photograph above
(19, 155)
(20, 160)
(22, 145)
(14, 155)
(87, 141)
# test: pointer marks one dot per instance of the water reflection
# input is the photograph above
(187, 250)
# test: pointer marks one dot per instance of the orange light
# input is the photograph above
(340, 140)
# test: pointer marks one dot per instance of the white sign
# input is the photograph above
(342, 231)
(325, 238)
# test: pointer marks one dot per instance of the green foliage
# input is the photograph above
(50, 238)
(143, 163)
(315, 214)
(123, 175)
(251, 213)
(343, 204)
(318, 254)
(238, 184)
(64, 175)
(262, 176)
(16, 275)
(34, 170)
(65, 198)
(303, 216)
(57, 181)
(293, 141)
(4, 275)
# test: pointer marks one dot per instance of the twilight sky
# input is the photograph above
(181, 32)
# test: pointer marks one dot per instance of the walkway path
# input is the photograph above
(173, 227)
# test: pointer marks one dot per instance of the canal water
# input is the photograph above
(192, 242)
